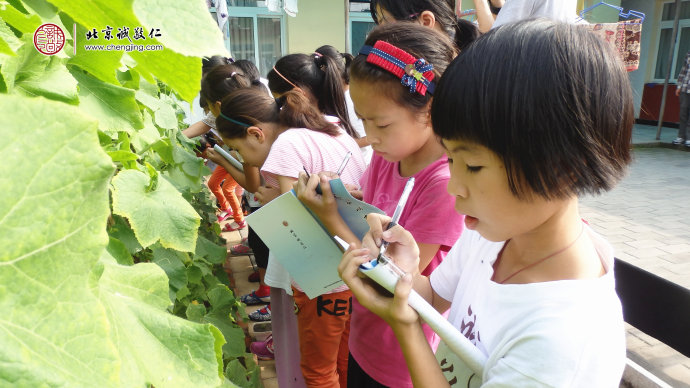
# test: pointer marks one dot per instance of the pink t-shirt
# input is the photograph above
(300, 148)
(431, 218)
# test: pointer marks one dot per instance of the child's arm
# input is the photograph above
(404, 321)
(323, 205)
(266, 194)
(426, 254)
(196, 129)
(484, 17)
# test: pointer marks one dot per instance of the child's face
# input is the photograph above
(395, 132)
(479, 183)
(253, 148)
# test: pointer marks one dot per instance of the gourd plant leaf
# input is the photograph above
(163, 112)
(180, 72)
(34, 74)
(103, 65)
(214, 253)
(201, 38)
(70, 318)
(113, 106)
(158, 215)
(136, 298)
(9, 43)
(22, 22)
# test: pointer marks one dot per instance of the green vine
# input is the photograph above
(122, 283)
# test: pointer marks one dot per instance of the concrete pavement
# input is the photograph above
(647, 220)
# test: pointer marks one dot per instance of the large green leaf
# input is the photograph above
(68, 318)
(22, 22)
(9, 44)
(101, 64)
(201, 38)
(160, 214)
(163, 112)
(173, 263)
(135, 299)
(181, 73)
(113, 106)
(35, 74)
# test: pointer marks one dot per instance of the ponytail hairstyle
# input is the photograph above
(343, 61)
(251, 106)
(460, 31)
(250, 71)
(220, 81)
(208, 63)
(421, 42)
(318, 74)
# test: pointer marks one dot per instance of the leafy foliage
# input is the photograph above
(111, 268)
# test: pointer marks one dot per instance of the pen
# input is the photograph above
(396, 215)
(344, 163)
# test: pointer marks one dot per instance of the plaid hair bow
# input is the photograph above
(414, 73)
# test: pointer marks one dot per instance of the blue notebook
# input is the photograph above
(299, 241)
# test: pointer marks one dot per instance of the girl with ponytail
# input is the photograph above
(319, 78)
(283, 137)
(343, 62)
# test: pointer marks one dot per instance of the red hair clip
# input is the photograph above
(414, 73)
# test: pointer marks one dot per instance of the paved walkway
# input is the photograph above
(646, 219)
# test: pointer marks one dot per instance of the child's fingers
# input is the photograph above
(376, 224)
(398, 234)
(326, 191)
(401, 311)
(352, 259)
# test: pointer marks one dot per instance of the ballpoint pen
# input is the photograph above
(396, 216)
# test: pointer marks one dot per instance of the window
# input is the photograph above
(255, 33)
(682, 42)
(359, 25)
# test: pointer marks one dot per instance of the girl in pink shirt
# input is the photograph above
(391, 84)
(283, 137)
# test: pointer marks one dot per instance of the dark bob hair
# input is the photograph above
(552, 100)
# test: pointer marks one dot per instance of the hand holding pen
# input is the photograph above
(396, 216)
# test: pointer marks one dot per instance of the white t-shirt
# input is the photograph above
(358, 126)
(565, 333)
(515, 10)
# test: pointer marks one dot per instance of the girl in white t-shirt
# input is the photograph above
(284, 137)
(529, 284)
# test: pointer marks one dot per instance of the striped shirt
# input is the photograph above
(297, 149)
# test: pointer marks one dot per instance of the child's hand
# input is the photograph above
(402, 248)
(324, 204)
(395, 311)
(354, 191)
(267, 194)
(214, 156)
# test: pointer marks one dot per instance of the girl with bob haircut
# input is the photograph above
(528, 283)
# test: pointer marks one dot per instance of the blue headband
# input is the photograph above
(233, 120)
